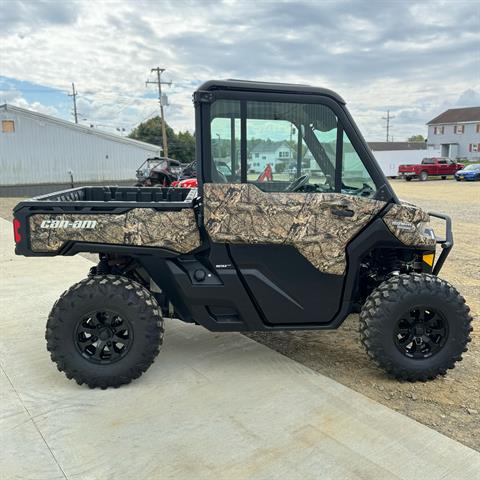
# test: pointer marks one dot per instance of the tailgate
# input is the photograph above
(407, 168)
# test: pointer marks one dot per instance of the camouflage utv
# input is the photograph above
(241, 254)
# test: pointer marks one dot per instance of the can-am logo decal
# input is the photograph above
(403, 225)
(80, 224)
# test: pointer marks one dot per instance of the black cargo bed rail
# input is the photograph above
(99, 198)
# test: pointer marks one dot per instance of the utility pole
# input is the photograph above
(388, 118)
(159, 82)
(74, 95)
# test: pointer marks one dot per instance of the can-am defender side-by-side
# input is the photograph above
(299, 251)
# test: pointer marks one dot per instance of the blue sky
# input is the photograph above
(415, 58)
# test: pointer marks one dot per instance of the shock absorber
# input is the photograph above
(103, 268)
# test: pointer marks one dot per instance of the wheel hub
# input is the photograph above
(421, 332)
(105, 333)
(103, 336)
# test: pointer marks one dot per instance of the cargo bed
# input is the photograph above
(98, 219)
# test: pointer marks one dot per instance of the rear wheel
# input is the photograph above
(423, 176)
(408, 179)
(444, 177)
(415, 327)
(104, 331)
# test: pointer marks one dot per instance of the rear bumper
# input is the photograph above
(446, 242)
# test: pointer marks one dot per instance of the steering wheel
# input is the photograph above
(365, 191)
(298, 183)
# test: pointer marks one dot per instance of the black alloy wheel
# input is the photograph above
(421, 332)
(103, 336)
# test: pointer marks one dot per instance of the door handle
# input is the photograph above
(343, 212)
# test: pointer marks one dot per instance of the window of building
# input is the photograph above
(474, 147)
(438, 130)
(8, 126)
(459, 129)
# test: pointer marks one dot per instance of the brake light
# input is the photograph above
(16, 230)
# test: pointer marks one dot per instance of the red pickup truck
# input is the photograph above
(437, 166)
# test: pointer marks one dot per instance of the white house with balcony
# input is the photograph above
(456, 132)
(271, 153)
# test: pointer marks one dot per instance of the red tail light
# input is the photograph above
(16, 230)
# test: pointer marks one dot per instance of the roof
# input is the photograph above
(81, 128)
(389, 146)
(457, 115)
(269, 87)
(266, 147)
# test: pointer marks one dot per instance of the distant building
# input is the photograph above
(37, 149)
(390, 155)
(457, 133)
(270, 153)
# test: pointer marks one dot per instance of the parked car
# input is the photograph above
(430, 167)
(470, 172)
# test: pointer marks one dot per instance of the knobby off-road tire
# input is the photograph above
(393, 308)
(98, 311)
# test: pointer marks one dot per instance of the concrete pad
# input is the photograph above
(211, 406)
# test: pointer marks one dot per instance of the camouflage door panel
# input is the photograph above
(146, 227)
(407, 222)
(241, 213)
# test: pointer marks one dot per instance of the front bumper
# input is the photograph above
(446, 243)
(467, 178)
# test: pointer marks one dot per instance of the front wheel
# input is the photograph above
(444, 177)
(104, 331)
(415, 327)
(423, 176)
(408, 179)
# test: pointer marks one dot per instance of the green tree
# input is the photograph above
(416, 138)
(181, 146)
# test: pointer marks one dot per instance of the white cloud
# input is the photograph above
(15, 98)
(413, 58)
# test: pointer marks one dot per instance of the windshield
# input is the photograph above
(473, 166)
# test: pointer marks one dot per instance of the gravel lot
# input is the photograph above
(451, 404)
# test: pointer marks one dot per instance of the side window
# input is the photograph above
(225, 141)
(288, 147)
(291, 145)
(355, 178)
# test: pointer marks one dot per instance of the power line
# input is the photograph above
(159, 83)
(74, 95)
(387, 119)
